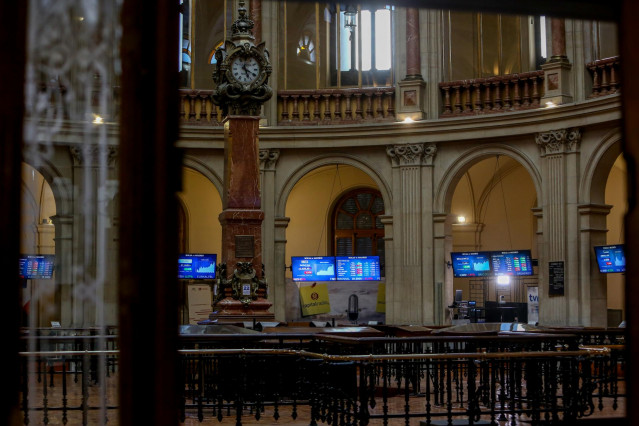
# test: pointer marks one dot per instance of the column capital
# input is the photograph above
(412, 154)
(558, 141)
(269, 158)
(93, 155)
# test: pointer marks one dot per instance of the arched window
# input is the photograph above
(212, 59)
(361, 41)
(357, 225)
(306, 47)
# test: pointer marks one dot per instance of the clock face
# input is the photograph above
(245, 70)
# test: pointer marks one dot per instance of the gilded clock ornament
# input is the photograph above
(242, 71)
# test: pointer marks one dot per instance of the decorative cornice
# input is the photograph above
(92, 155)
(411, 154)
(558, 141)
(268, 158)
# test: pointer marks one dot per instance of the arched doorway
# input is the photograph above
(492, 211)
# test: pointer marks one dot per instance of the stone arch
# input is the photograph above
(60, 186)
(446, 187)
(327, 160)
(593, 184)
(201, 167)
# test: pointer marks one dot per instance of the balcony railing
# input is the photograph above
(604, 76)
(335, 106)
(497, 94)
(532, 377)
(197, 107)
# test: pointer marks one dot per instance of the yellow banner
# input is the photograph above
(381, 298)
(314, 300)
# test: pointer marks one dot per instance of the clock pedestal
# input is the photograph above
(242, 287)
(241, 78)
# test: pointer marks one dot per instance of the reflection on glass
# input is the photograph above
(383, 39)
(70, 195)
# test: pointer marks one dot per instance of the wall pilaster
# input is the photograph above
(277, 289)
(411, 292)
(268, 162)
(64, 265)
(94, 187)
(593, 230)
(559, 152)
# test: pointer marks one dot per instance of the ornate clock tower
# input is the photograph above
(241, 77)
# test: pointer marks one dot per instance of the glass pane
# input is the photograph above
(344, 247)
(350, 206)
(297, 52)
(363, 246)
(344, 221)
(364, 221)
(378, 206)
(364, 200)
(383, 56)
(210, 25)
(185, 44)
(348, 41)
(69, 225)
(367, 47)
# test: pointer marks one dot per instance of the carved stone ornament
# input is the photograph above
(244, 285)
(268, 158)
(411, 154)
(93, 155)
(242, 71)
(558, 141)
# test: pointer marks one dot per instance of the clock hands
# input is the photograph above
(247, 71)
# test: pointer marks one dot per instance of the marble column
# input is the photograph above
(411, 291)
(256, 17)
(411, 98)
(243, 288)
(241, 200)
(558, 30)
(413, 53)
(557, 70)
(559, 152)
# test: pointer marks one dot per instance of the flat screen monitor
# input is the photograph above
(611, 259)
(471, 264)
(358, 268)
(512, 262)
(36, 266)
(313, 268)
(196, 266)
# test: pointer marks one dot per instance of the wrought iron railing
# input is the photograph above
(493, 378)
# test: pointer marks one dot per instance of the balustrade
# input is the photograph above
(536, 377)
(605, 74)
(197, 107)
(497, 94)
(335, 106)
